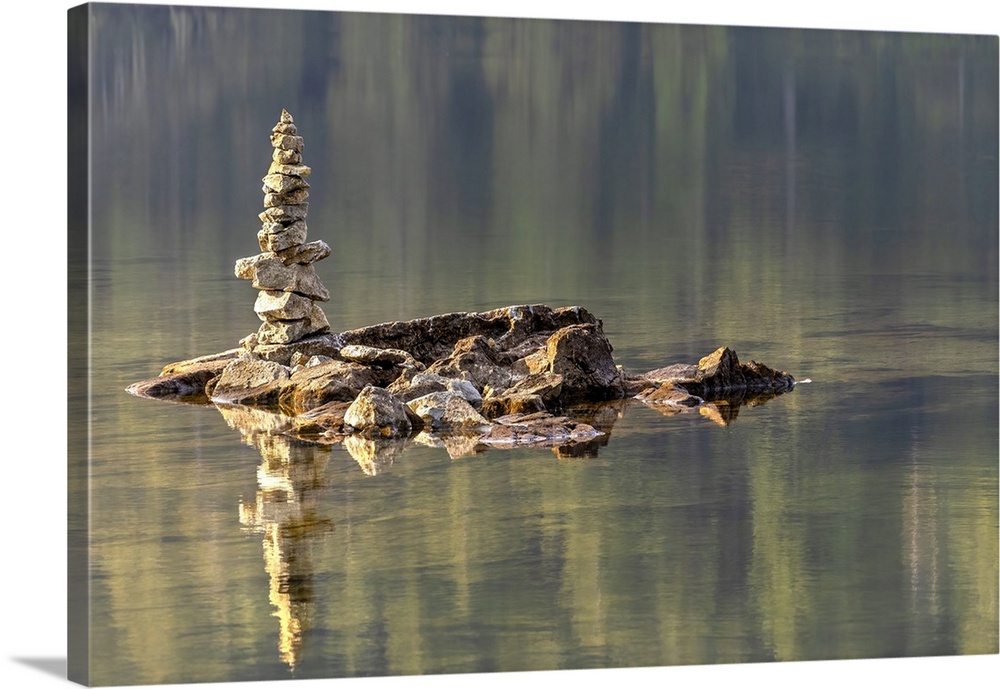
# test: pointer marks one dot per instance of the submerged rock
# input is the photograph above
(538, 428)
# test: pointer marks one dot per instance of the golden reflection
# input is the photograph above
(374, 456)
(920, 540)
(457, 445)
(288, 514)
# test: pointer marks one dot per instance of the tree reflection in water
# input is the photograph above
(289, 514)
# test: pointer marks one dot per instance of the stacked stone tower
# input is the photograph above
(283, 272)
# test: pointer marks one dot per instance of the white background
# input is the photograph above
(33, 505)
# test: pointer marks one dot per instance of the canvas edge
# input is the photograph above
(78, 345)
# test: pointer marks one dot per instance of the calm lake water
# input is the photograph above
(824, 202)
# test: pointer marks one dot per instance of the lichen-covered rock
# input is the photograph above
(282, 184)
(292, 197)
(287, 142)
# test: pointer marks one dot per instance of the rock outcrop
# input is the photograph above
(718, 376)
(520, 375)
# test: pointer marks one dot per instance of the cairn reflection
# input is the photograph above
(287, 512)
(295, 453)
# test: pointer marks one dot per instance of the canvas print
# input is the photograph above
(415, 345)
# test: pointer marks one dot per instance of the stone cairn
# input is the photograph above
(289, 285)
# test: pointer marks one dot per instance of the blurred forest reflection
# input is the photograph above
(823, 201)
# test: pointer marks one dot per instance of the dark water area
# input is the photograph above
(821, 201)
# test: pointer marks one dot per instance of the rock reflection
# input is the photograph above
(723, 411)
(457, 445)
(287, 512)
(374, 455)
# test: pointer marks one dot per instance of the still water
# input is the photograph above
(824, 202)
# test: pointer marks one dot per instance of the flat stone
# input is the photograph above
(304, 361)
(429, 339)
(273, 305)
(289, 170)
(219, 360)
(285, 128)
(187, 382)
(375, 356)
(669, 394)
(284, 332)
(291, 198)
(269, 272)
(282, 184)
(275, 237)
(284, 214)
(539, 428)
(412, 383)
(305, 254)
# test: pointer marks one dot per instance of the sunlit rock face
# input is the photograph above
(376, 413)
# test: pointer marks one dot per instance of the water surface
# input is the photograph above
(824, 202)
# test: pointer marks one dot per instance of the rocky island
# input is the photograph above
(519, 375)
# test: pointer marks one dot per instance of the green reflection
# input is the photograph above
(823, 201)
